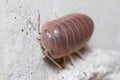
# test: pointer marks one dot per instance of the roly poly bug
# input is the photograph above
(66, 35)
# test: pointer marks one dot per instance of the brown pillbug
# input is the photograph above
(66, 35)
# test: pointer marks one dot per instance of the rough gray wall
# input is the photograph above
(20, 53)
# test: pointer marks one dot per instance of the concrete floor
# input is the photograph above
(21, 57)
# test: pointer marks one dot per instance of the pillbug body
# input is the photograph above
(66, 35)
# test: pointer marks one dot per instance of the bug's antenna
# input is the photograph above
(49, 57)
(38, 22)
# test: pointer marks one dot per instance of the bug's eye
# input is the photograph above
(51, 50)
(45, 30)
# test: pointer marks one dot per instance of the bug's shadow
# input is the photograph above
(83, 51)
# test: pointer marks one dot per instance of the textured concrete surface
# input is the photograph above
(21, 57)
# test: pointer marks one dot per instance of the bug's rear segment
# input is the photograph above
(66, 35)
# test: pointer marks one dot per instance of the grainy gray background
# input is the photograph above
(20, 54)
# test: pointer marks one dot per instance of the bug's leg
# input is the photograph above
(64, 61)
(80, 55)
(71, 60)
(52, 60)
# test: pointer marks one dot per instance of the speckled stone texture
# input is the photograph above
(21, 57)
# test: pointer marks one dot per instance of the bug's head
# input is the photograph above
(52, 41)
(46, 39)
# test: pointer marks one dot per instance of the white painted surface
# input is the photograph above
(20, 54)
